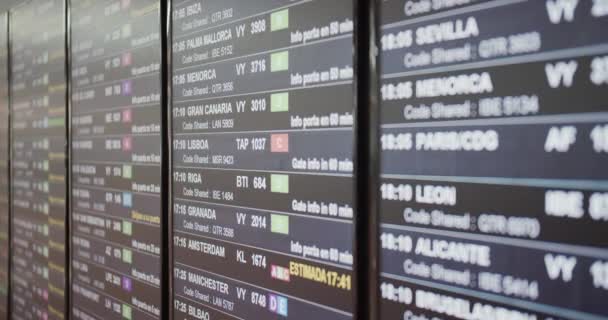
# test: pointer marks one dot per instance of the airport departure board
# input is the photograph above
(116, 159)
(494, 140)
(38, 165)
(4, 173)
(262, 117)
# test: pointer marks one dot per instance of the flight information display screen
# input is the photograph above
(494, 143)
(38, 168)
(116, 159)
(4, 173)
(262, 159)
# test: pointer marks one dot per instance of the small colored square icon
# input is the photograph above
(127, 58)
(127, 199)
(55, 122)
(279, 20)
(127, 256)
(127, 284)
(279, 142)
(279, 102)
(279, 273)
(279, 183)
(277, 304)
(126, 312)
(127, 87)
(127, 227)
(279, 61)
(126, 30)
(127, 116)
(127, 171)
(279, 224)
(127, 144)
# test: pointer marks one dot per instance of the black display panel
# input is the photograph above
(262, 153)
(116, 159)
(494, 139)
(4, 173)
(38, 165)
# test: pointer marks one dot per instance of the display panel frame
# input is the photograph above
(513, 190)
(168, 133)
(166, 161)
(365, 59)
(367, 157)
(69, 146)
(5, 28)
(68, 158)
(165, 276)
(66, 149)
